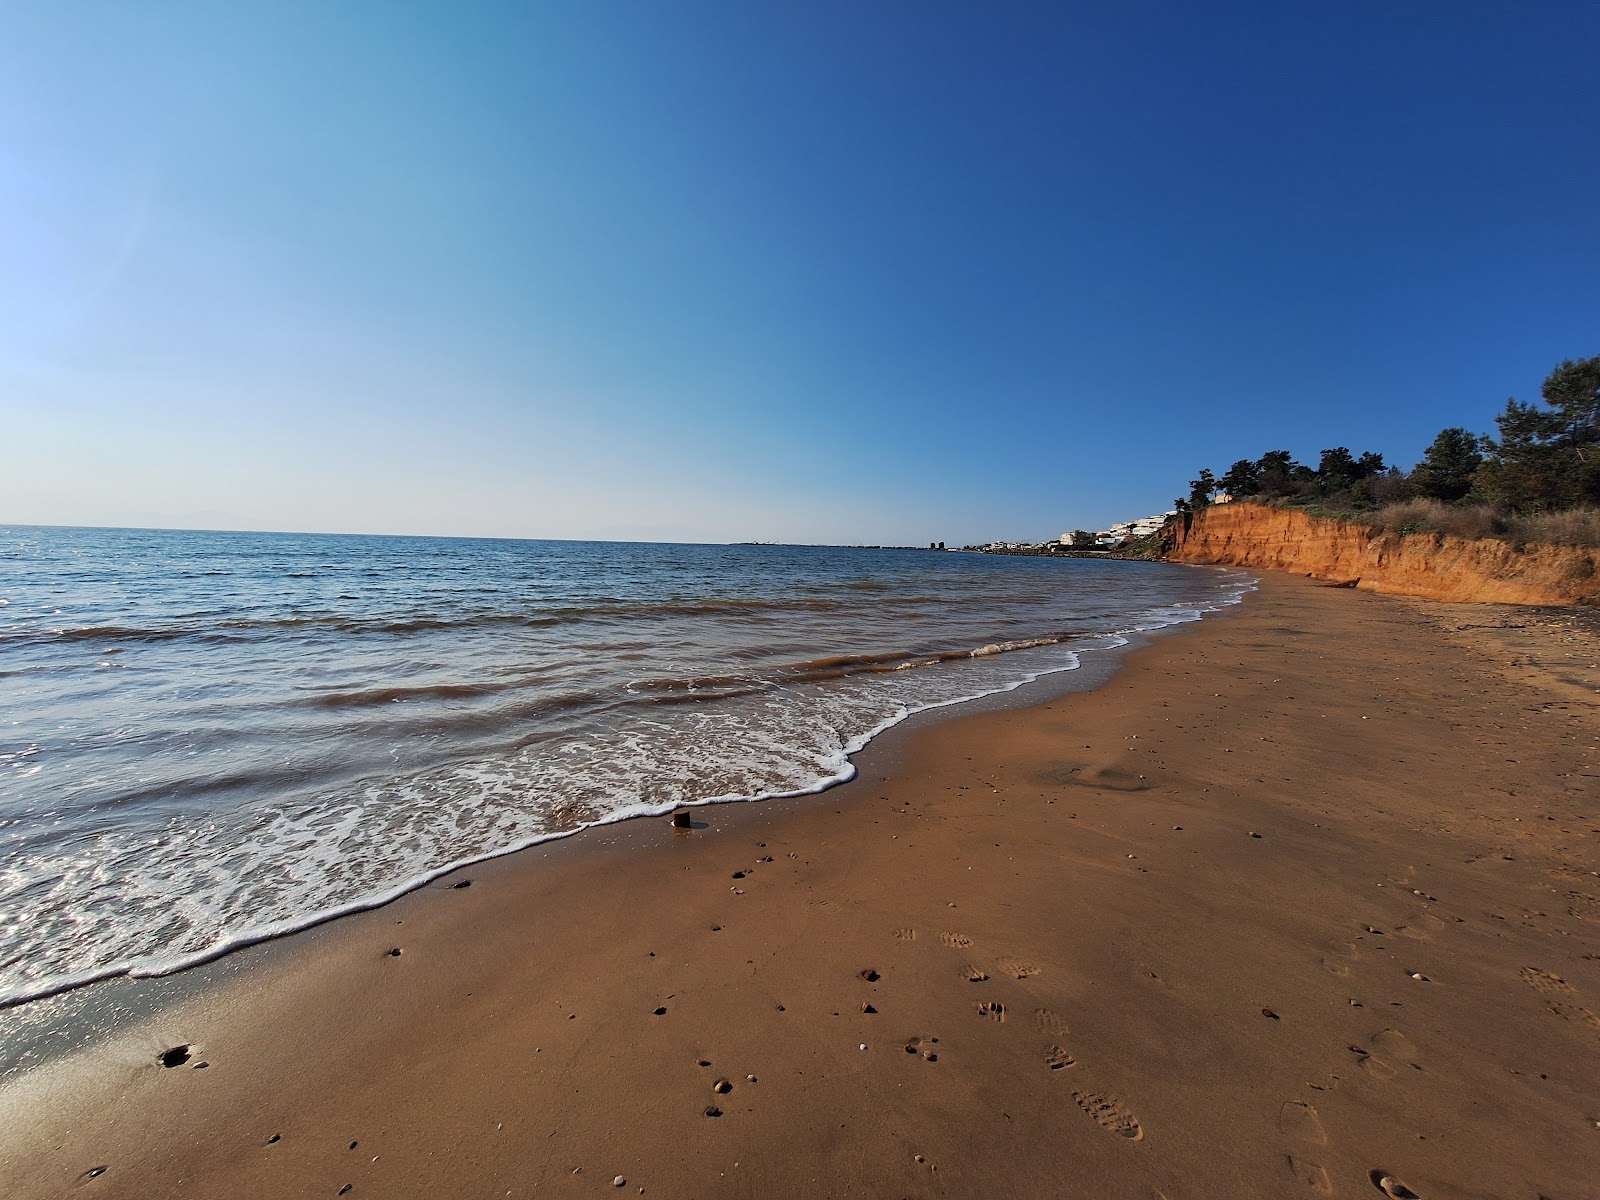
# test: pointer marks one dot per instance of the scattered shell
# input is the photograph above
(618, 1181)
(1390, 1186)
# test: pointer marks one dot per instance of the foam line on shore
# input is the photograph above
(843, 771)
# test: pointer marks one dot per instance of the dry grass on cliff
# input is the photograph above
(1574, 527)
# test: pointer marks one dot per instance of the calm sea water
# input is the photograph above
(207, 738)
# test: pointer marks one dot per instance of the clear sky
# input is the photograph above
(790, 270)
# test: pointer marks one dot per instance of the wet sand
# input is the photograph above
(1302, 901)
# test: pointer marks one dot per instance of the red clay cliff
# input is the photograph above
(1432, 565)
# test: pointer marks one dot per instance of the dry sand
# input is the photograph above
(1302, 901)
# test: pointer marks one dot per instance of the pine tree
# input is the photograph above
(1448, 465)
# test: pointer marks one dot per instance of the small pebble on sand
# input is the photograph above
(618, 1181)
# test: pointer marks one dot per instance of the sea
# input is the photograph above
(208, 739)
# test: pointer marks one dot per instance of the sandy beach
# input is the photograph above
(1303, 900)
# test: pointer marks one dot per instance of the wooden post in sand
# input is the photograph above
(680, 818)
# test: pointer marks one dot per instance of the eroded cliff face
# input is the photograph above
(1431, 565)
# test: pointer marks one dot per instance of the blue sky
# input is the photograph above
(795, 271)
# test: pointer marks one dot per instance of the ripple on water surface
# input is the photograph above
(219, 737)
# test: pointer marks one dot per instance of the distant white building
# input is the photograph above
(1142, 527)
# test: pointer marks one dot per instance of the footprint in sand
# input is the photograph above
(1560, 997)
(1057, 1059)
(917, 1045)
(1302, 1128)
(1390, 1050)
(1583, 906)
(1301, 1125)
(992, 1008)
(974, 975)
(1547, 982)
(1421, 928)
(905, 935)
(1375, 1067)
(1018, 970)
(1110, 1115)
(1309, 1175)
(1394, 1046)
(956, 941)
(1049, 1022)
(1099, 778)
(1341, 962)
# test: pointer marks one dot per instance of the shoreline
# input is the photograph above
(1191, 1038)
(1091, 667)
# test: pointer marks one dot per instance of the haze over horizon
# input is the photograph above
(712, 272)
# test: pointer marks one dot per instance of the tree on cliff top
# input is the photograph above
(1242, 479)
(1448, 465)
(1548, 457)
(1281, 475)
(1339, 470)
